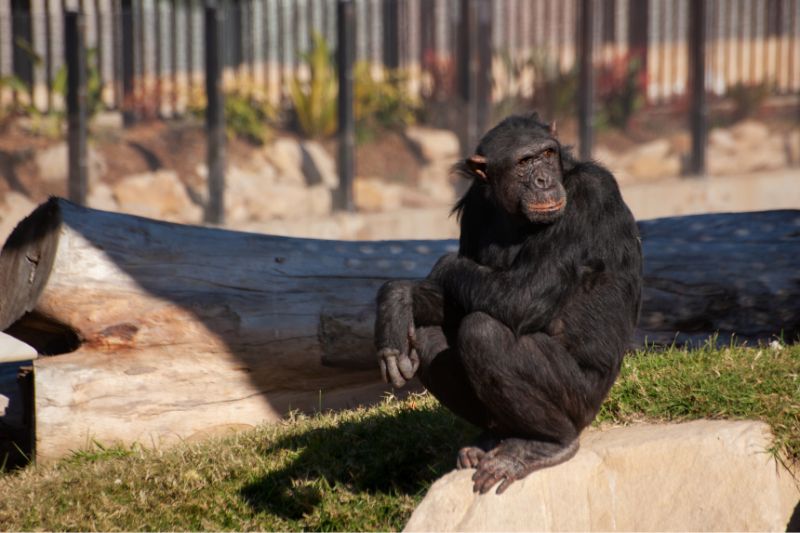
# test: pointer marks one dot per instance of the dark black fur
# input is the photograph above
(523, 331)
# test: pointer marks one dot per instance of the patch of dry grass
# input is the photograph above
(366, 469)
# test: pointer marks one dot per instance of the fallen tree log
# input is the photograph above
(164, 331)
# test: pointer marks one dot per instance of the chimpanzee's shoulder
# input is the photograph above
(591, 176)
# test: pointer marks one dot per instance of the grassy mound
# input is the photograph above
(366, 469)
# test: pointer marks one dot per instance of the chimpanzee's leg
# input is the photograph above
(442, 373)
(532, 390)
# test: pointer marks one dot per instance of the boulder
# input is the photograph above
(288, 200)
(52, 163)
(287, 156)
(680, 142)
(246, 192)
(438, 182)
(769, 154)
(696, 476)
(318, 165)
(722, 139)
(159, 194)
(375, 194)
(435, 144)
(101, 197)
(750, 132)
(652, 160)
(746, 147)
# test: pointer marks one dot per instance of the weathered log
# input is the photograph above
(174, 330)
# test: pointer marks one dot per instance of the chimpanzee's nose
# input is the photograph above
(543, 181)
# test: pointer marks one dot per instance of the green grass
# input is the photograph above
(366, 469)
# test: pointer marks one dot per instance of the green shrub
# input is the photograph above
(248, 112)
(382, 104)
(16, 86)
(94, 83)
(314, 101)
(248, 115)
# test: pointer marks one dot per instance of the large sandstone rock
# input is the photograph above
(101, 196)
(302, 163)
(746, 147)
(652, 160)
(159, 194)
(52, 163)
(375, 194)
(435, 144)
(697, 476)
(438, 181)
(318, 165)
(287, 156)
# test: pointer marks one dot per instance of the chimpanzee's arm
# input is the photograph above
(519, 297)
(404, 305)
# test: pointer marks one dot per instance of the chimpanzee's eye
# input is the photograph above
(549, 153)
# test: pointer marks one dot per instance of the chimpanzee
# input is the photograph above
(522, 332)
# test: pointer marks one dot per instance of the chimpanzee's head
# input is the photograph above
(520, 161)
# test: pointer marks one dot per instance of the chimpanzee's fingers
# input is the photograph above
(507, 481)
(406, 367)
(384, 376)
(395, 376)
(388, 362)
(414, 357)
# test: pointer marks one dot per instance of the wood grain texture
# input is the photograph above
(188, 330)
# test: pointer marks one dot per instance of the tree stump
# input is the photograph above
(158, 332)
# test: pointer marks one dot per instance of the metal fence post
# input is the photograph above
(215, 115)
(74, 31)
(474, 68)
(585, 78)
(22, 38)
(128, 63)
(483, 84)
(698, 114)
(391, 33)
(345, 59)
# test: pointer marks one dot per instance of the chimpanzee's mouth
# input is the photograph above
(548, 207)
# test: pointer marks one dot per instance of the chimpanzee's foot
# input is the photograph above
(470, 456)
(514, 459)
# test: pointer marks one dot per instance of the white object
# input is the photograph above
(13, 350)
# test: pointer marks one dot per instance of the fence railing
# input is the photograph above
(139, 67)
(160, 44)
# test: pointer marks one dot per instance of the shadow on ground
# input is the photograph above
(399, 453)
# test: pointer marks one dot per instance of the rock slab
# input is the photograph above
(696, 476)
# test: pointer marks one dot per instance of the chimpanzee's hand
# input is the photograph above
(394, 333)
(398, 366)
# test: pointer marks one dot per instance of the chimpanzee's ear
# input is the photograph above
(553, 130)
(477, 164)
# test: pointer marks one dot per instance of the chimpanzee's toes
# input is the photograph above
(497, 468)
(469, 457)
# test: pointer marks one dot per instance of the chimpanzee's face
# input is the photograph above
(524, 172)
